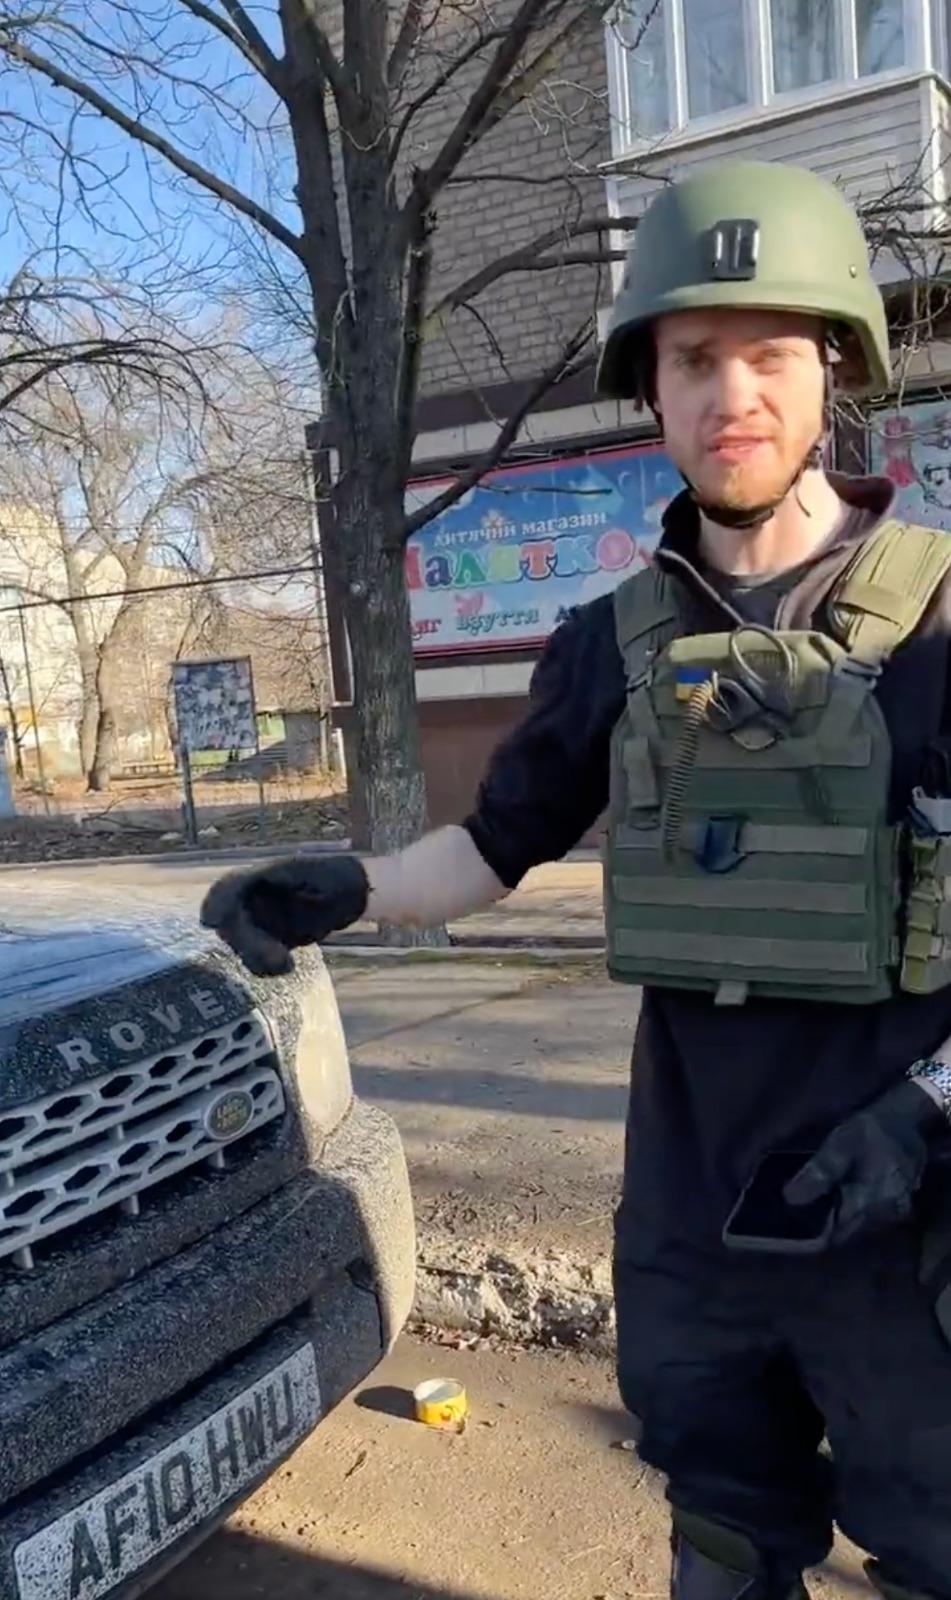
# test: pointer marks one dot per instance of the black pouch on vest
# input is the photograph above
(936, 768)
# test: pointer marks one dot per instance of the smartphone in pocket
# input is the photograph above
(763, 1220)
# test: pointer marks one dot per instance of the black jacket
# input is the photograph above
(714, 1088)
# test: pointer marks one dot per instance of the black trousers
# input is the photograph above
(737, 1368)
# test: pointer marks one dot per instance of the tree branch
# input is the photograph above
(522, 85)
(419, 271)
(574, 258)
(566, 363)
(487, 91)
(322, 247)
(491, 338)
(547, 182)
(406, 40)
(133, 356)
(331, 68)
(209, 181)
(364, 56)
(242, 34)
(527, 257)
(439, 83)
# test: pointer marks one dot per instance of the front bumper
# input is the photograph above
(329, 1260)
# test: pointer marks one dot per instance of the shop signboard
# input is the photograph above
(911, 445)
(503, 566)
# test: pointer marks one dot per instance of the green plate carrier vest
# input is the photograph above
(749, 848)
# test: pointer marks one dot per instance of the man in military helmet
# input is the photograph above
(764, 714)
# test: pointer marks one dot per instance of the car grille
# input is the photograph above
(69, 1156)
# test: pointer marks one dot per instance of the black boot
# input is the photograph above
(886, 1586)
(715, 1563)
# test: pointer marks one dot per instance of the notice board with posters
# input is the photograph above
(911, 445)
(214, 710)
(214, 704)
(501, 567)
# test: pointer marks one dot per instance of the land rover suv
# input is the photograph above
(205, 1241)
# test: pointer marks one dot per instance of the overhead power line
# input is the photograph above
(154, 588)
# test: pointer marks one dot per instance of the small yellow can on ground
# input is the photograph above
(442, 1403)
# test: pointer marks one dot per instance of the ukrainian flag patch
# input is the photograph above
(687, 679)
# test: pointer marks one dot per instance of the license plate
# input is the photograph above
(116, 1532)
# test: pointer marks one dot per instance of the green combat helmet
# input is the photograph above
(750, 234)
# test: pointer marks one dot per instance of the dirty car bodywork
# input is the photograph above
(205, 1241)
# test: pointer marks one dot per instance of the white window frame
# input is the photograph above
(928, 43)
(941, 38)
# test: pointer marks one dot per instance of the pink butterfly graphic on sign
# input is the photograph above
(469, 605)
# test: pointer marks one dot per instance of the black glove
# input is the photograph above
(265, 914)
(874, 1162)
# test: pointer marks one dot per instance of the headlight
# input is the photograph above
(321, 1063)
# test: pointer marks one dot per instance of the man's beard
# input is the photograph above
(734, 503)
(739, 488)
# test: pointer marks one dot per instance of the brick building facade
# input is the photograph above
(682, 83)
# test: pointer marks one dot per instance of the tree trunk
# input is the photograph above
(114, 659)
(104, 753)
(388, 755)
(388, 748)
(89, 715)
(16, 733)
(87, 654)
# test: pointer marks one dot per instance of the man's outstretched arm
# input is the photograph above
(546, 783)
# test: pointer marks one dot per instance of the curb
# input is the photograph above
(554, 1301)
(459, 942)
(194, 858)
(512, 953)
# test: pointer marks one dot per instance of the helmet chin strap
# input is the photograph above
(741, 517)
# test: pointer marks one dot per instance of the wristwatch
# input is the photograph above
(935, 1077)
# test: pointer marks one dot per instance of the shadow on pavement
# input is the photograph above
(388, 1399)
(617, 1427)
(236, 1566)
(478, 1089)
(411, 1024)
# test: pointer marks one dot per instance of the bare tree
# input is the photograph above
(358, 119)
(53, 325)
(113, 505)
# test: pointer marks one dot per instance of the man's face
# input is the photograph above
(741, 396)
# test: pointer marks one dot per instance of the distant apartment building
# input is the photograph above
(43, 691)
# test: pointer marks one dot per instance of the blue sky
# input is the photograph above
(138, 217)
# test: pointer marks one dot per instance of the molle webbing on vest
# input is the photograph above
(884, 592)
(926, 947)
(776, 872)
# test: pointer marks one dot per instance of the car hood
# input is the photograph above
(47, 963)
